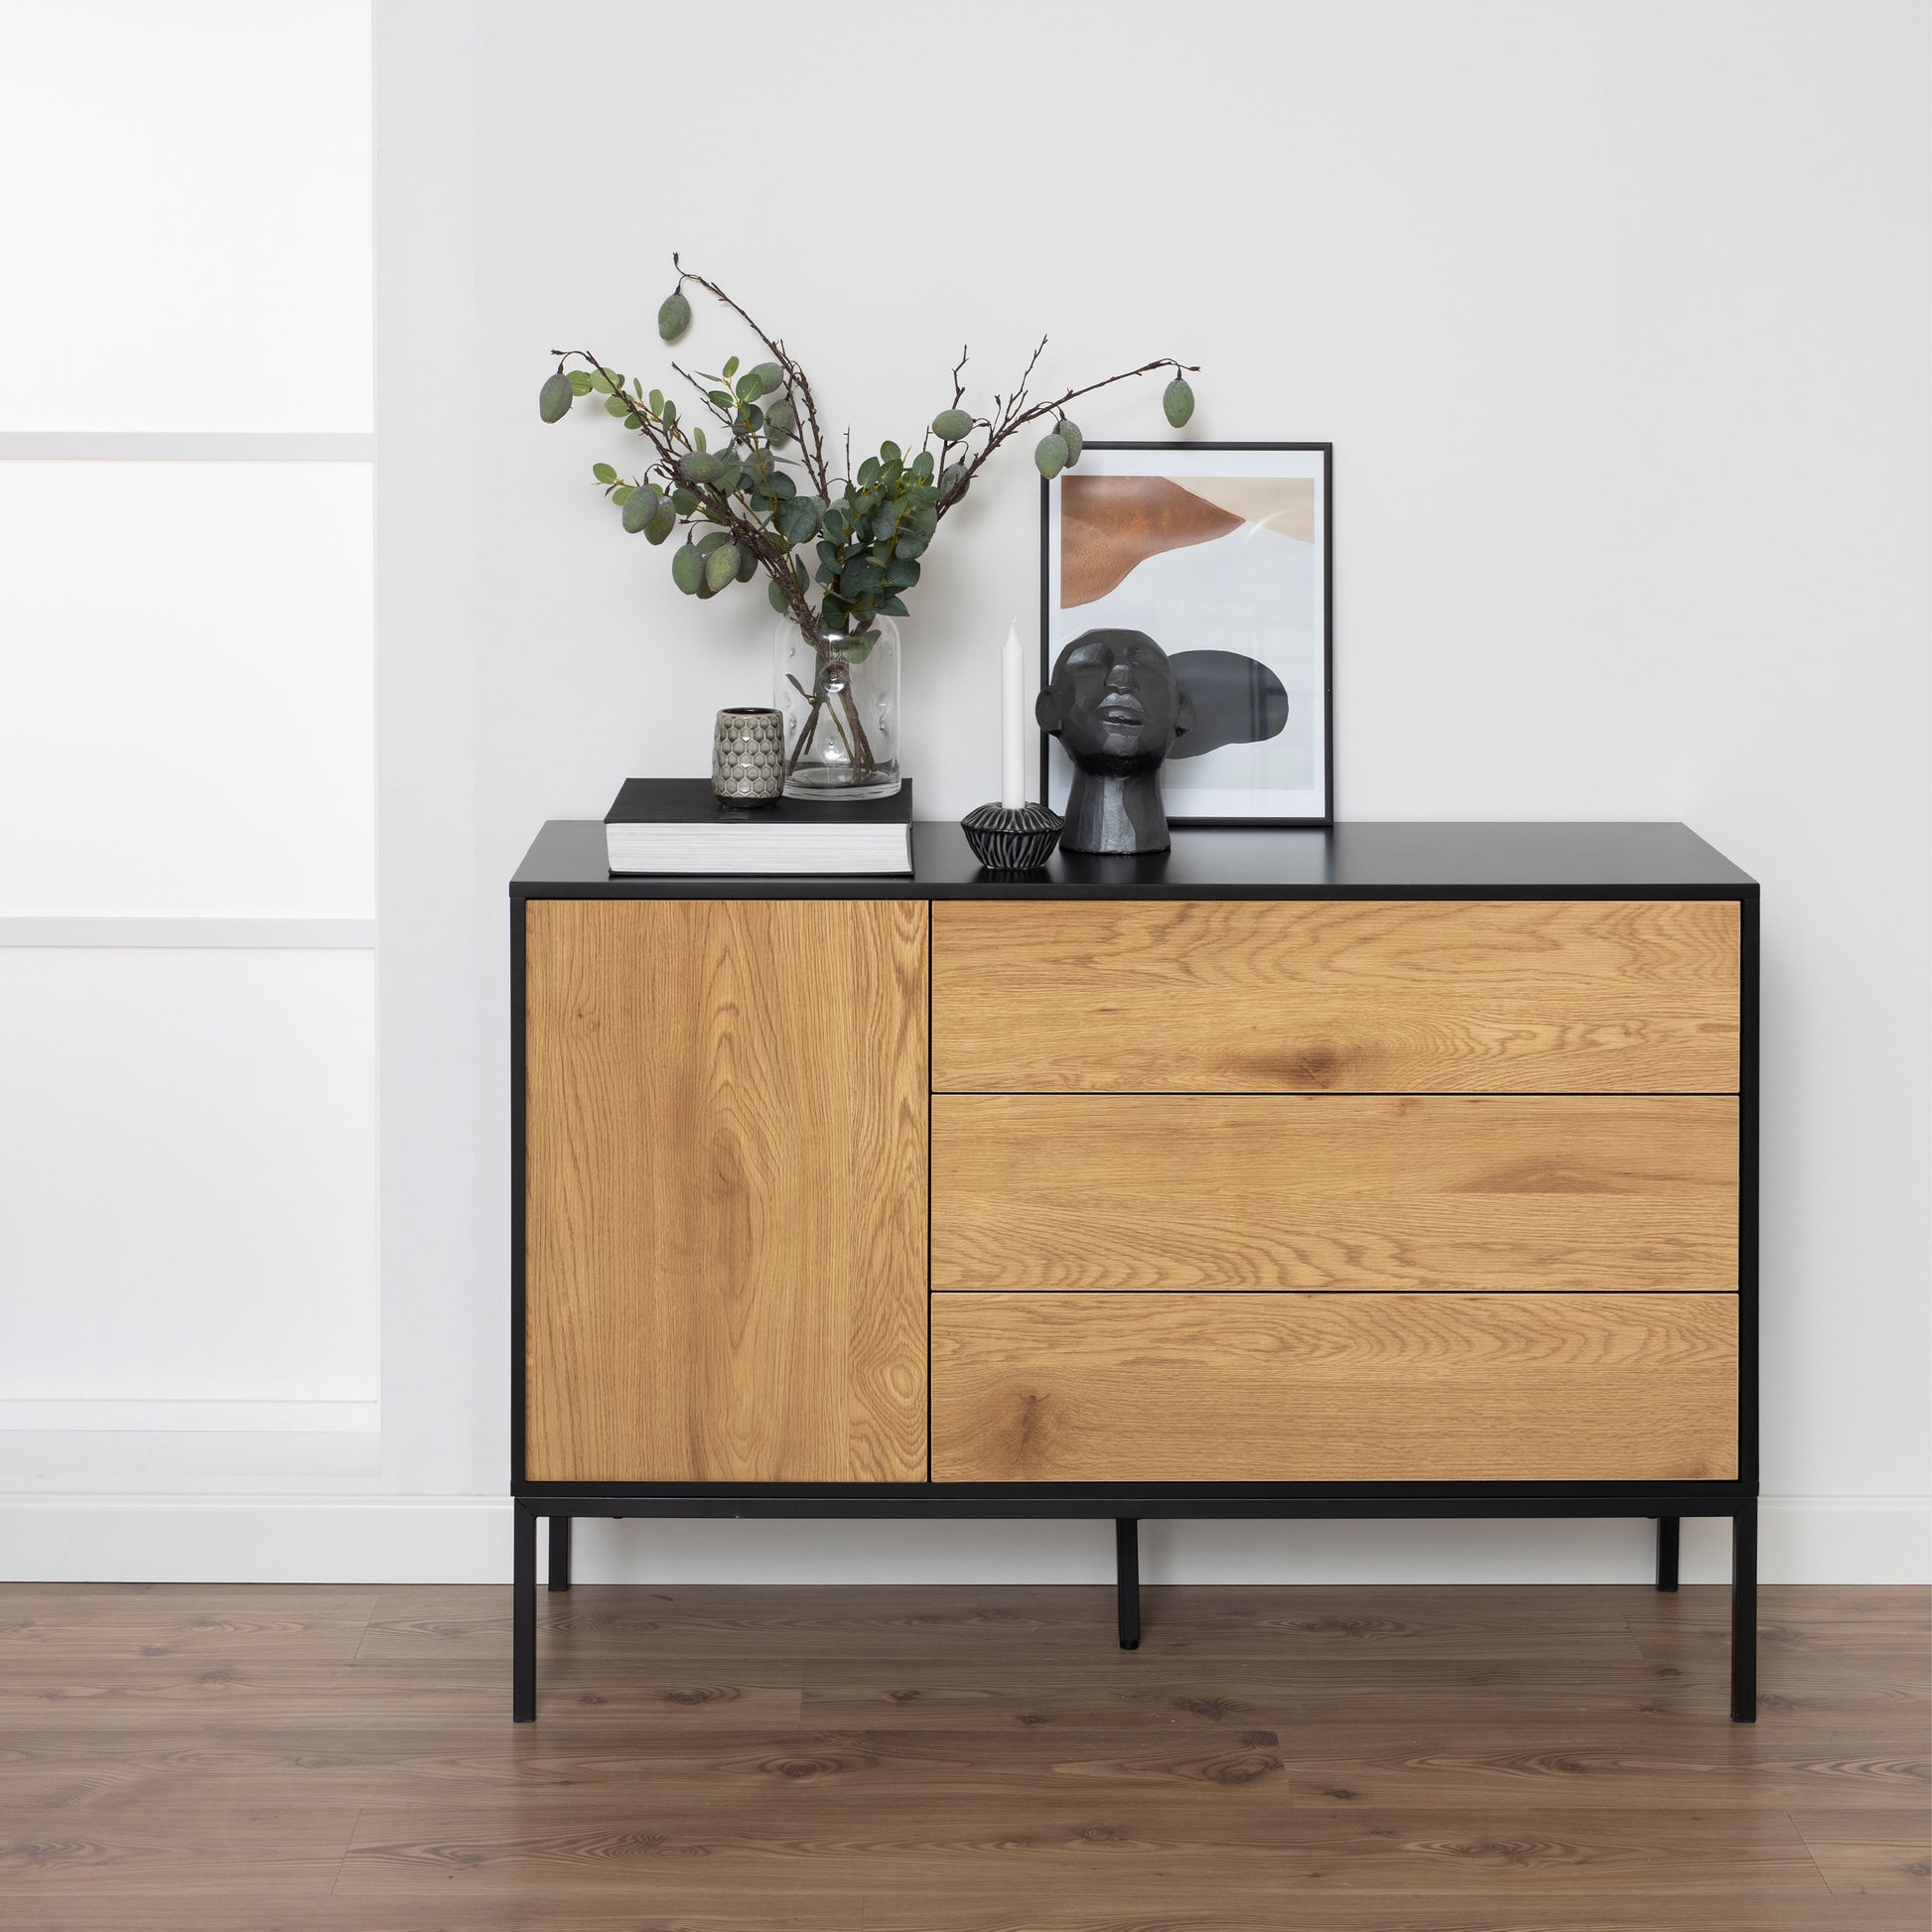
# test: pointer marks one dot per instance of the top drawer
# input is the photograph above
(1302, 995)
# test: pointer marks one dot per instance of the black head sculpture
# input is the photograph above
(1116, 708)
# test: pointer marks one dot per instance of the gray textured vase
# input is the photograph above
(747, 755)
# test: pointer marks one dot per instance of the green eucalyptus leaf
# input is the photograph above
(750, 387)
(890, 453)
(860, 578)
(952, 426)
(683, 502)
(892, 607)
(721, 566)
(580, 382)
(619, 494)
(774, 597)
(668, 414)
(1049, 456)
(616, 406)
(673, 316)
(1177, 400)
(657, 402)
(687, 570)
(555, 397)
(731, 367)
(604, 473)
(781, 421)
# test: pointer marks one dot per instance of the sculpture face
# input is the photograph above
(1115, 703)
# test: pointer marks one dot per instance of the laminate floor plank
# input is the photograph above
(1433, 1759)
(1592, 1763)
(1877, 1852)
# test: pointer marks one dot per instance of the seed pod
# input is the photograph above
(1069, 431)
(952, 426)
(663, 521)
(687, 570)
(555, 397)
(639, 508)
(721, 566)
(1049, 456)
(673, 316)
(747, 565)
(699, 467)
(1179, 401)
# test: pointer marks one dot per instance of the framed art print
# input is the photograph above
(1220, 552)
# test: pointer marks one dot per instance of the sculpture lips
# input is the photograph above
(1122, 709)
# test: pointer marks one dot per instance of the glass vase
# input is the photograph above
(839, 693)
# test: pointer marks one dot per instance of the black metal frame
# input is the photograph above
(1328, 454)
(1127, 1503)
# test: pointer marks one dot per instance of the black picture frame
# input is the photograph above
(1326, 452)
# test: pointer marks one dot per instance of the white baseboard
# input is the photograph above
(467, 1539)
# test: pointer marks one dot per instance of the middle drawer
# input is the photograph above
(1176, 1193)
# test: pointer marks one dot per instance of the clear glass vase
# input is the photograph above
(839, 694)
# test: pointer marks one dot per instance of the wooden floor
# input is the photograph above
(213, 1758)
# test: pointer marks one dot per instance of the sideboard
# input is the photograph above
(1393, 1170)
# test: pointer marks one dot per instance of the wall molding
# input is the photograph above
(125, 1538)
(186, 446)
(308, 935)
(137, 1413)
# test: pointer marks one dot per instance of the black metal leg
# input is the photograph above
(1127, 1570)
(1667, 1528)
(560, 1553)
(523, 1616)
(1743, 1615)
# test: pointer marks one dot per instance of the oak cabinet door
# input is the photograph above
(725, 1190)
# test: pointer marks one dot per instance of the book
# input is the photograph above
(678, 825)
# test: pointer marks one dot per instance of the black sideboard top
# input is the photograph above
(1498, 860)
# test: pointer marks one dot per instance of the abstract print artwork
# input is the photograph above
(1220, 552)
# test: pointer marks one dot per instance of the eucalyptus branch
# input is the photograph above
(838, 552)
(1010, 424)
(811, 441)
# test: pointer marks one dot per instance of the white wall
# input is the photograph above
(1617, 315)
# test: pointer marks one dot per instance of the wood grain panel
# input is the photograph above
(726, 1162)
(1344, 1388)
(1356, 1191)
(1347, 996)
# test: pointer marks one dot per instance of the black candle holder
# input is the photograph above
(1018, 838)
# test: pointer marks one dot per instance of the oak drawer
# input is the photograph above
(1350, 996)
(1347, 1388)
(1173, 1192)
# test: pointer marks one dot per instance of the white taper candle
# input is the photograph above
(1013, 724)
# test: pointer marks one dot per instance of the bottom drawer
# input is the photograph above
(1342, 1388)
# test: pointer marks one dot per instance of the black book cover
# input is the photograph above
(691, 801)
